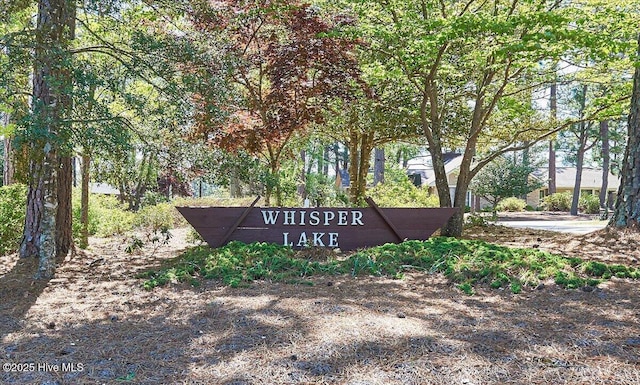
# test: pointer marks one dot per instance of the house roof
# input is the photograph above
(421, 165)
(566, 177)
(104, 188)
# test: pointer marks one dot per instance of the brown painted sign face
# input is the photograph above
(343, 228)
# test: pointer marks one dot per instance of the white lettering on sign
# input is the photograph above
(343, 218)
(289, 217)
(328, 217)
(302, 241)
(316, 240)
(270, 217)
(312, 218)
(333, 240)
(315, 218)
(356, 218)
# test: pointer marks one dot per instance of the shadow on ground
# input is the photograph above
(338, 330)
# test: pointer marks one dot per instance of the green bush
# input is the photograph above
(114, 222)
(466, 263)
(13, 203)
(589, 204)
(152, 198)
(511, 204)
(476, 220)
(158, 217)
(107, 216)
(557, 202)
(215, 201)
(399, 191)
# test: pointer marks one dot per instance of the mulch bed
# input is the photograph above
(339, 330)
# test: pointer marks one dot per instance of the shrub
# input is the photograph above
(589, 204)
(466, 263)
(107, 216)
(399, 191)
(114, 221)
(13, 203)
(162, 216)
(213, 201)
(152, 198)
(511, 204)
(557, 202)
(476, 220)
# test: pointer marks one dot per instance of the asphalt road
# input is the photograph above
(574, 227)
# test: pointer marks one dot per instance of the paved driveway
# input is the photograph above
(574, 227)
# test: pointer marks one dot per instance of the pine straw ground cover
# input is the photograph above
(338, 329)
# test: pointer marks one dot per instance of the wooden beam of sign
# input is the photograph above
(235, 225)
(386, 220)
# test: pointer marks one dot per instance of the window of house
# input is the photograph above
(543, 193)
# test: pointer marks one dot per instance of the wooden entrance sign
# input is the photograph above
(343, 228)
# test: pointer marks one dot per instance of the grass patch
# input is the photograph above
(466, 263)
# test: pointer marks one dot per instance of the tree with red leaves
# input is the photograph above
(287, 64)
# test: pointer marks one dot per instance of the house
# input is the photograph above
(342, 179)
(590, 184)
(103, 189)
(420, 170)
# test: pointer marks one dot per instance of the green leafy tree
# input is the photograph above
(84, 91)
(369, 122)
(47, 231)
(505, 178)
(473, 66)
(579, 139)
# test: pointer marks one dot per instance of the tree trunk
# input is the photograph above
(578, 182)
(582, 148)
(51, 98)
(8, 170)
(360, 149)
(84, 201)
(325, 162)
(302, 178)
(354, 161)
(431, 126)
(336, 151)
(606, 159)
(378, 166)
(234, 183)
(553, 102)
(310, 162)
(627, 208)
(64, 228)
(275, 174)
(366, 148)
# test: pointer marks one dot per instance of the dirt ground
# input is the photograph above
(96, 325)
